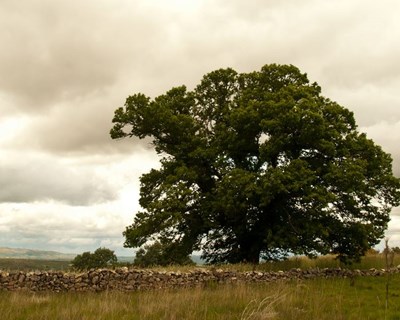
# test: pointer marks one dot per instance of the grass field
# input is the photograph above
(33, 264)
(313, 299)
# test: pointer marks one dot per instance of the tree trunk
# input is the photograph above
(250, 252)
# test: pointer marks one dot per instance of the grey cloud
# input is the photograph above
(70, 65)
(79, 127)
(60, 50)
(74, 49)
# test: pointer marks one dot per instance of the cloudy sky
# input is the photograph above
(66, 65)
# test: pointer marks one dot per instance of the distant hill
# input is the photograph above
(19, 253)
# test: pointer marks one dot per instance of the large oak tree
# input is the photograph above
(257, 165)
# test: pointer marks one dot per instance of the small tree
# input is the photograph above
(396, 250)
(101, 258)
(161, 255)
(82, 261)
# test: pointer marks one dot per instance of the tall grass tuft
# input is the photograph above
(389, 258)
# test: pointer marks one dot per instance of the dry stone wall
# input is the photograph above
(124, 279)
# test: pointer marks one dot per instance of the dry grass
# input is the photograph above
(332, 299)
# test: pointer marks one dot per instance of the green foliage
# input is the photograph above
(101, 258)
(257, 165)
(396, 250)
(159, 254)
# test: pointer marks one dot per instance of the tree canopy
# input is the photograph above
(257, 165)
(158, 254)
(101, 258)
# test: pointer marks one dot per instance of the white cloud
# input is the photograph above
(62, 224)
(38, 177)
(56, 225)
(371, 103)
